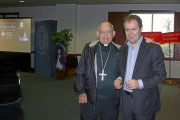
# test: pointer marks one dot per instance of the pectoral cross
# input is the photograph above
(102, 75)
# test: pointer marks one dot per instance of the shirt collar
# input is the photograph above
(138, 43)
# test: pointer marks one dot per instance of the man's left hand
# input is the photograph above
(149, 40)
(132, 84)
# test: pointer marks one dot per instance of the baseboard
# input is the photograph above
(174, 79)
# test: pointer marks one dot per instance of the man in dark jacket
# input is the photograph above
(95, 74)
(141, 67)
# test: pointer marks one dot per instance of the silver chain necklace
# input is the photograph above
(103, 74)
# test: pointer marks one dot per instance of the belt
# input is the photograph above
(129, 93)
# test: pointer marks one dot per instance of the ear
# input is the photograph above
(141, 28)
(97, 34)
(114, 33)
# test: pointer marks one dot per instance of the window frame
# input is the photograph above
(175, 57)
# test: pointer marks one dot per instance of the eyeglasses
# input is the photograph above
(102, 32)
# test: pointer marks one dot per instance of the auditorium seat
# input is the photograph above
(73, 66)
(10, 95)
(7, 71)
(10, 79)
(11, 112)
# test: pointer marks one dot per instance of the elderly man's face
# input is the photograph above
(105, 33)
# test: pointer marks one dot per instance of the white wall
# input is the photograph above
(84, 20)
(67, 18)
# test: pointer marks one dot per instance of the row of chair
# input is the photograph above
(10, 95)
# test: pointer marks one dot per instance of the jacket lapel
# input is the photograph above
(141, 54)
(124, 58)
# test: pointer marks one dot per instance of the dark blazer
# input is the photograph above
(150, 68)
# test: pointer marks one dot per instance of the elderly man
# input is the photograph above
(96, 72)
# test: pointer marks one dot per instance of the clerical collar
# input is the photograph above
(105, 47)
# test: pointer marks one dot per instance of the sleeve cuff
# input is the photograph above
(141, 85)
(120, 78)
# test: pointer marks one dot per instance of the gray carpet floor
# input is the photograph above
(46, 98)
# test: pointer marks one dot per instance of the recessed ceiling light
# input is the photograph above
(21, 1)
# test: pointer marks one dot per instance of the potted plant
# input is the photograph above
(64, 37)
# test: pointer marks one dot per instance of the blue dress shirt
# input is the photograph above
(131, 60)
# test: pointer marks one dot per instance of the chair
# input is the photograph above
(72, 66)
(11, 79)
(11, 112)
(10, 95)
(7, 71)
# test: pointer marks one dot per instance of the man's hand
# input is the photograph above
(132, 84)
(149, 40)
(118, 84)
(82, 98)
